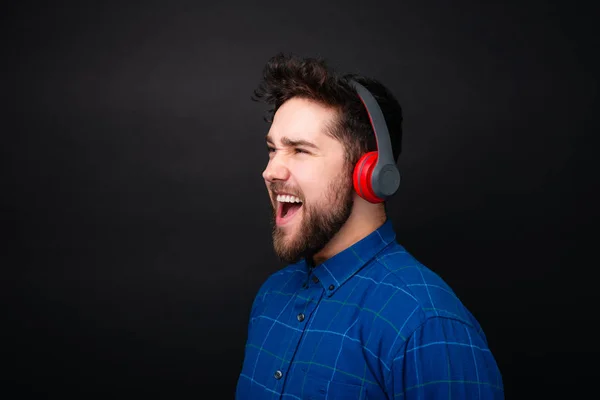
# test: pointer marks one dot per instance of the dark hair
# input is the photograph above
(288, 76)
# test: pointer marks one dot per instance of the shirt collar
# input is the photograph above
(334, 272)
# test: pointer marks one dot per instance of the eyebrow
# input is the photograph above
(293, 143)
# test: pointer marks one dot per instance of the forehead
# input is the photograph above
(303, 119)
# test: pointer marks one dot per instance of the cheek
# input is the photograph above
(316, 186)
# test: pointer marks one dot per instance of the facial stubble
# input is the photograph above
(320, 222)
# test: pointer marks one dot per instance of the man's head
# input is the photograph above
(319, 130)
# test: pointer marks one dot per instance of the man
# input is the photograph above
(353, 315)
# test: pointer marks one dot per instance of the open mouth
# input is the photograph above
(287, 207)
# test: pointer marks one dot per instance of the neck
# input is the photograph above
(364, 220)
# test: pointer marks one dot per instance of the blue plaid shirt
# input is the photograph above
(369, 323)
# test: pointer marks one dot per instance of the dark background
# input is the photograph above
(135, 219)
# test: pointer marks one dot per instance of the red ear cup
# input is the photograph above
(362, 177)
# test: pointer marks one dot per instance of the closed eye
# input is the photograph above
(297, 150)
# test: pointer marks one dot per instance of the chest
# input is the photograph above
(311, 345)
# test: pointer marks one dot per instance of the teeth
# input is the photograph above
(288, 199)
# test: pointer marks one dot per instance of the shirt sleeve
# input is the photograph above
(445, 358)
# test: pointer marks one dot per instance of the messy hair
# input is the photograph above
(288, 76)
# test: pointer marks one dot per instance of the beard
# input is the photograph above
(320, 222)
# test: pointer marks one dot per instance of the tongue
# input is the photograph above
(290, 209)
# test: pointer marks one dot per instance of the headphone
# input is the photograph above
(376, 176)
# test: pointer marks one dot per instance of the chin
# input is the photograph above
(287, 242)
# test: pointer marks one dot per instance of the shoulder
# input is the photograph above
(426, 289)
(408, 294)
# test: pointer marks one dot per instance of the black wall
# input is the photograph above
(135, 219)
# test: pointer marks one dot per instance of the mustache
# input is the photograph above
(278, 187)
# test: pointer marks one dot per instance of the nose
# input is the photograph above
(276, 170)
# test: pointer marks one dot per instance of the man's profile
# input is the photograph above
(353, 315)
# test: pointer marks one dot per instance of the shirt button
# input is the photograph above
(315, 279)
(300, 317)
(331, 287)
(278, 375)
